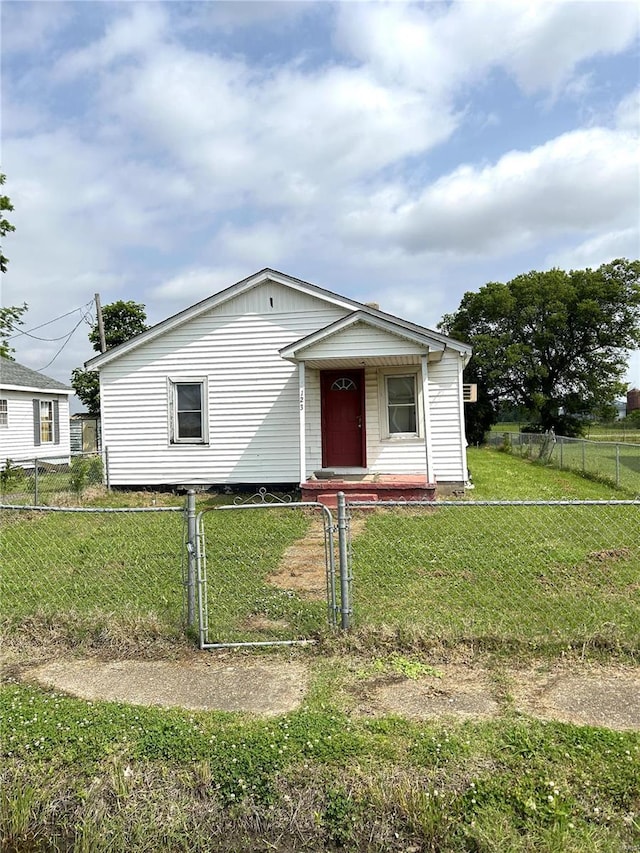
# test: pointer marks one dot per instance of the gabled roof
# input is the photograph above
(424, 339)
(247, 284)
(14, 376)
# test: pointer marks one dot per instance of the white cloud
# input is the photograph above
(179, 168)
(192, 285)
(27, 27)
(598, 250)
(577, 182)
(540, 43)
(291, 138)
(137, 32)
(628, 112)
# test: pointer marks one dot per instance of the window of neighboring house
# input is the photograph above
(4, 413)
(188, 406)
(401, 405)
(46, 421)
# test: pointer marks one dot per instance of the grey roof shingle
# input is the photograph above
(12, 373)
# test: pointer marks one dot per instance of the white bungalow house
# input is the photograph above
(34, 415)
(278, 381)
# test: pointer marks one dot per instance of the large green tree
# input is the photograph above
(10, 315)
(10, 318)
(5, 225)
(122, 321)
(554, 343)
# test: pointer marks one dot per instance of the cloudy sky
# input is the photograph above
(396, 152)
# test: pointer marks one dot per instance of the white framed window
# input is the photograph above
(188, 411)
(4, 413)
(46, 422)
(400, 398)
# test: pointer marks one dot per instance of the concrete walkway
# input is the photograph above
(583, 694)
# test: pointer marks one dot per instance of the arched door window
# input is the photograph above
(344, 383)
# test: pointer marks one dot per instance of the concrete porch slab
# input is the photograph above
(369, 487)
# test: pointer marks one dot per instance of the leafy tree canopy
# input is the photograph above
(10, 317)
(552, 342)
(122, 321)
(5, 225)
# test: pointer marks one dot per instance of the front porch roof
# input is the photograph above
(338, 344)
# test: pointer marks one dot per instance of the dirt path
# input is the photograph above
(302, 567)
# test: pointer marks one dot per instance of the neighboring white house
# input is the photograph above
(275, 380)
(34, 415)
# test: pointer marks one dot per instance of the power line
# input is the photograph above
(38, 338)
(48, 323)
(67, 340)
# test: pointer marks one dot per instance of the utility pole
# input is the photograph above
(103, 343)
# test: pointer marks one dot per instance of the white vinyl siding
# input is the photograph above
(18, 440)
(445, 396)
(253, 423)
(361, 341)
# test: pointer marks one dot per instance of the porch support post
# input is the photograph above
(427, 418)
(303, 405)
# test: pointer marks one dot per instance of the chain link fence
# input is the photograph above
(532, 573)
(523, 572)
(112, 570)
(266, 573)
(615, 462)
(63, 481)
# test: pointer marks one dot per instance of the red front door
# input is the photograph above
(343, 438)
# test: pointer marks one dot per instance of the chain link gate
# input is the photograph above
(264, 572)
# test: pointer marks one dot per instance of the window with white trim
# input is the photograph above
(4, 413)
(188, 408)
(46, 422)
(400, 415)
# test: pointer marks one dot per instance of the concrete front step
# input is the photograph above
(389, 489)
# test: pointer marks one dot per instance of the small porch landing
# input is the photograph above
(368, 487)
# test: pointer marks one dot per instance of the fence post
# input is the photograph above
(345, 609)
(35, 483)
(191, 555)
(561, 439)
(617, 465)
(583, 454)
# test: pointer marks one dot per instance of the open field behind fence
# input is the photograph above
(540, 574)
(616, 463)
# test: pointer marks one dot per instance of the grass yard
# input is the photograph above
(543, 577)
(103, 777)
(107, 574)
(505, 477)
(538, 576)
(244, 547)
(593, 432)
(99, 776)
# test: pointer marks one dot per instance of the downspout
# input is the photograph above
(426, 410)
(303, 404)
